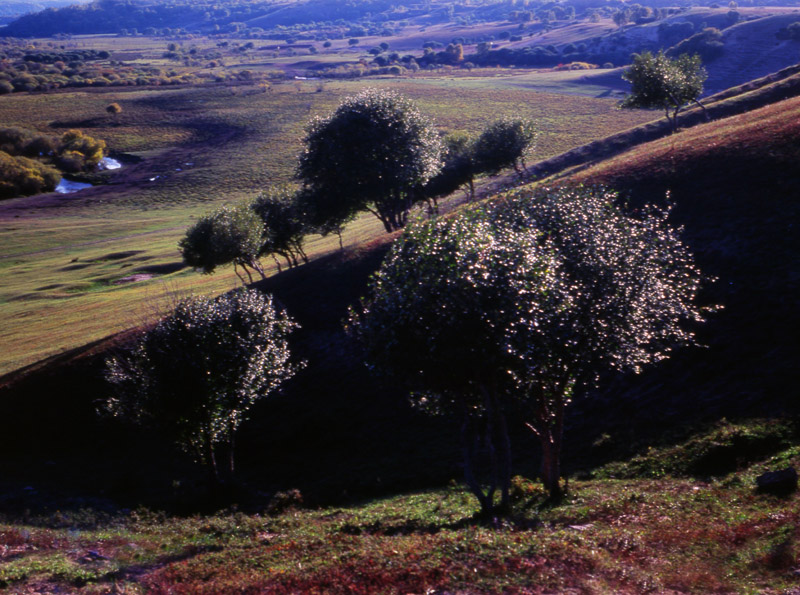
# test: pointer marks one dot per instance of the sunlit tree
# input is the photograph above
(658, 81)
(229, 235)
(505, 143)
(197, 373)
(525, 303)
(369, 154)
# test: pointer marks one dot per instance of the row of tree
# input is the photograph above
(376, 152)
(512, 308)
(271, 225)
(506, 311)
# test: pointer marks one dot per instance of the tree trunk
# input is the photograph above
(236, 270)
(551, 467)
(468, 447)
(705, 111)
(257, 266)
(277, 262)
(505, 457)
(211, 463)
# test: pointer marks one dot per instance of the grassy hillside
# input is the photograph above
(66, 258)
(665, 535)
(732, 182)
(661, 495)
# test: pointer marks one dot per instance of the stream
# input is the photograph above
(66, 186)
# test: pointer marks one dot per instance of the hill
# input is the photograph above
(685, 500)
(732, 181)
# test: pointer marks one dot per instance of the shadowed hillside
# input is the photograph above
(734, 188)
(336, 432)
(752, 51)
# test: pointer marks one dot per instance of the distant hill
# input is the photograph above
(752, 50)
(10, 9)
(747, 47)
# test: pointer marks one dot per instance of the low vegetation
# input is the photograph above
(607, 535)
(31, 162)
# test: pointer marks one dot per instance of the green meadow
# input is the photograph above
(69, 262)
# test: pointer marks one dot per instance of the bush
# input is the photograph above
(20, 176)
(198, 372)
(791, 32)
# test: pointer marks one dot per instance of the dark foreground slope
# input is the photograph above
(336, 432)
(734, 184)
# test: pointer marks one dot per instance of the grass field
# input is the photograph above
(672, 534)
(63, 257)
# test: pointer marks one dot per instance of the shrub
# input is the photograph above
(198, 372)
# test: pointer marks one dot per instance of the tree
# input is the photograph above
(665, 83)
(114, 109)
(228, 235)
(197, 373)
(433, 322)
(284, 229)
(79, 152)
(503, 144)
(369, 155)
(524, 304)
(21, 176)
(621, 17)
(459, 169)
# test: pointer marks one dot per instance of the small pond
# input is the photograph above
(68, 186)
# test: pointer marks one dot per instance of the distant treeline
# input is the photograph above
(333, 18)
(29, 68)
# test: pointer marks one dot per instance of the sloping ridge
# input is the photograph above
(734, 184)
(736, 100)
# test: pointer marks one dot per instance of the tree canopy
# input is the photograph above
(369, 154)
(284, 228)
(504, 144)
(658, 81)
(231, 234)
(523, 304)
(198, 372)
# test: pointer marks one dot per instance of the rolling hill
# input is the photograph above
(336, 430)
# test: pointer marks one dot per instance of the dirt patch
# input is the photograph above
(134, 278)
(162, 269)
